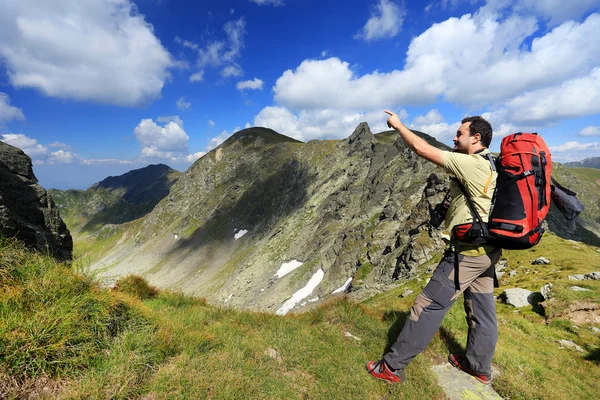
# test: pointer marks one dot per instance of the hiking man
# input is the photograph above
(475, 262)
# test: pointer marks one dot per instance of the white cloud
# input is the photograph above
(95, 50)
(231, 70)
(211, 122)
(8, 112)
(495, 55)
(217, 140)
(268, 2)
(432, 117)
(433, 124)
(193, 157)
(221, 53)
(247, 125)
(573, 98)
(330, 83)
(104, 161)
(161, 141)
(197, 77)
(30, 146)
(255, 84)
(182, 104)
(590, 131)
(62, 157)
(385, 22)
(171, 118)
(318, 124)
(575, 151)
(555, 11)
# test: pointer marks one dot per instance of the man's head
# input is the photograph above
(474, 134)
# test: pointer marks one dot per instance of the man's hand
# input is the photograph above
(393, 121)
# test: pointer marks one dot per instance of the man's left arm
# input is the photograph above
(414, 142)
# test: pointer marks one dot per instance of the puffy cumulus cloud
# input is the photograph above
(254, 84)
(41, 154)
(318, 124)
(493, 53)
(171, 118)
(275, 3)
(385, 22)
(182, 104)
(47, 46)
(590, 131)
(220, 138)
(8, 112)
(433, 124)
(30, 146)
(554, 11)
(575, 151)
(194, 156)
(570, 99)
(166, 141)
(330, 83)
(62, 157)
(501, 126)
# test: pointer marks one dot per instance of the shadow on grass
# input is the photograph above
(594, 356)
(450, 341)
(398, 318)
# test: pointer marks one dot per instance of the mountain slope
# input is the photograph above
(593, 162)
(335, 206)
(95, 212)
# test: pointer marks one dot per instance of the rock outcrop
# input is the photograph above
(27, 211)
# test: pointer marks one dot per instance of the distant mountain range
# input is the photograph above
(593, 162)
(116, 199)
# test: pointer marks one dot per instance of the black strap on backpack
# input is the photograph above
(483, 231)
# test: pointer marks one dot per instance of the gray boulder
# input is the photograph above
(518, 297)
(579, 289)
(545, 290)
(594, 275)
(27, 211)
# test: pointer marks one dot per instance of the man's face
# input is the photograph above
(463, 141)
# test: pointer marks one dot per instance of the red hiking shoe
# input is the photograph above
(463, 364)
(381, 370)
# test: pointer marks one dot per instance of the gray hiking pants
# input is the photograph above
(476, 278)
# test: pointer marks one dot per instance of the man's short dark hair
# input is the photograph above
(481, 126)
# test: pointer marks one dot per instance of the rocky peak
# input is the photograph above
(15, 161)
(27, 211)
(361, 138)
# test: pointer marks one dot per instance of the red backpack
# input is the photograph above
(522, 197)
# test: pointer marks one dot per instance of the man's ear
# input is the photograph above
(476, 138)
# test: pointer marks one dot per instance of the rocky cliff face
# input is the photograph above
(27, 211)
(352, 212)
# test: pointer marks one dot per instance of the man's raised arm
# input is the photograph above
(417, 144)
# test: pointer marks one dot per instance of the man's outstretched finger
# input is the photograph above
(389, 112)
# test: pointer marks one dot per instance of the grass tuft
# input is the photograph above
(136, 286)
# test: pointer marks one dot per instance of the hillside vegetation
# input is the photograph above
(61, 336)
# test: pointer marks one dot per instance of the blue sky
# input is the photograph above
(99, 87)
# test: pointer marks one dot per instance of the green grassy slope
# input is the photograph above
(61, 332)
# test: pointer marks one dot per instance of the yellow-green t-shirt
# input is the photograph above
(476, 175)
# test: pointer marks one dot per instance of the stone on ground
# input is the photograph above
(518, 297)
(461, 386)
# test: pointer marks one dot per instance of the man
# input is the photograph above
(475, 262)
